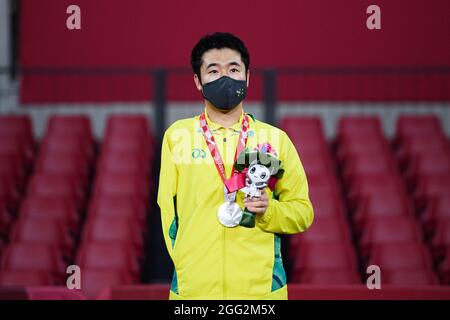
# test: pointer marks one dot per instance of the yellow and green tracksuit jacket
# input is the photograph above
(212, 261)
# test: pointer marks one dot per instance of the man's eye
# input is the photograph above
(234, 70)
(213, 71)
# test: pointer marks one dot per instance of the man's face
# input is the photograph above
(221, 62)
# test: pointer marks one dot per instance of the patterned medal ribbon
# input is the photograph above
(214, 150)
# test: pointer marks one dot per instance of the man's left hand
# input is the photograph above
(257, 205)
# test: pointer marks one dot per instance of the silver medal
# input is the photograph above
(229, 214)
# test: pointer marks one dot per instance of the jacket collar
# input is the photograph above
(216, 126)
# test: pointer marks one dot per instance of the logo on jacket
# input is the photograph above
(198, 153)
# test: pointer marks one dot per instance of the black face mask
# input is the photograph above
(225, 93)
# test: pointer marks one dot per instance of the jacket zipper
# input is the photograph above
(224, 278)
(224, 265)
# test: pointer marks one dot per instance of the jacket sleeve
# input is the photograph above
(167, 191)
(290, 210)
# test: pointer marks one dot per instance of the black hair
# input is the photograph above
(218, 40)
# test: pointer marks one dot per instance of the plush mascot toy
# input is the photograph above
(262, 169)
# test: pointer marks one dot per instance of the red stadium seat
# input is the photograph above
(25, 278)
(8, 192)
(120, 206)
(325, 256)
(115, 184)
(423, 125)
(125, 230)
(47, 208)
(429, 188)
(16, 148)
(5, 220)
(382, 205)
(93, 281)
(137, 125)
(306, 134)
(109, 256)
(127, 142)
(417, 278)
(327, 205)
(401, 256)
(444, 268)
(391, 181)
(429, 164)
(53, 293)
(423, 145)
(18, 126)
(297, 126)
(369, 185)
(73, 145)
(324, 183)
(365, 164)
(56, 185)
(129, 133)
(441, 239)
(33, 257)
(43, 231)
(316, 163)
(64, 164)
(138, 135)
(73, 125)
(124, 123)
(155, 291)
(323, 230)
(356, 145)
(115, 162)
(389, 230)
(10, 166)
(315, 147)
(350, 126)
(438, 209)
(335, 277)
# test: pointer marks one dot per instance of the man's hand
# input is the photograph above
(257, 205)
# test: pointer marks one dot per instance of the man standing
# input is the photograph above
(219, 252)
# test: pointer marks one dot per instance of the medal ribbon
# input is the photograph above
(214, 150)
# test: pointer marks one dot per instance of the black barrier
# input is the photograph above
(225, 310)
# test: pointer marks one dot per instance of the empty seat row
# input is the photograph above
(112, 242)
(330, 228)
(44, 236)
(17, 147)
(385, 227)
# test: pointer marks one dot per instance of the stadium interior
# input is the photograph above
(82, 113)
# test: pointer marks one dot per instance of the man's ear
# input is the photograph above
(197, 83)
(248, 77)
